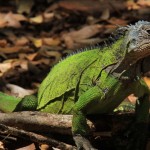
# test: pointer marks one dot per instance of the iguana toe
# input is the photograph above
(83, 143)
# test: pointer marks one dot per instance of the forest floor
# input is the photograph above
(35, 35)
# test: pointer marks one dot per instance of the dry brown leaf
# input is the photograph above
(84, 33)
(51, 41)
(68, 41)
(4, 67)
(12, 63)
(24, 6)
(45, 147)
(78, 5)
(53, 53)
(18, 91)
(132, 98)
(22, 63)
(48, 16)
(31, 57)
(90, 41)
(3, 22)
(19, 17)
(143, 2)
(109, 28)
(105, 15)
(45, 61)
(37, 19)
(117, 21)
(11, 20)
(132, 5)
(11, 36)
(29, 147)
(21, 41)
(56, 148)
(2, 146)
(37, 42)
(3, 43)
(15, 49)
(8, 50)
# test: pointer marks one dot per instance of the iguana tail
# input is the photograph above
(10, 103)
(29, 103)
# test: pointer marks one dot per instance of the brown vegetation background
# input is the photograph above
(36, 34)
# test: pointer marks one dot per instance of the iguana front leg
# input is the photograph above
(139, 130)
(80, 128)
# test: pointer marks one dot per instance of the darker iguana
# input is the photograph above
(95, 81)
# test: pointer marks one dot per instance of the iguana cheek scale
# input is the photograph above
(95, 81)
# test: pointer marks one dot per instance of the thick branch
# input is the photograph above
(37, 121)
(45, 122)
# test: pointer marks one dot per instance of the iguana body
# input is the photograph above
(75, 75)
(97, 81)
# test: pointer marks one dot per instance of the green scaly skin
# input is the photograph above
(8, 103)
(96, 81)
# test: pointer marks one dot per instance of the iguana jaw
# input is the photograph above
(138, 53)
(132, 58)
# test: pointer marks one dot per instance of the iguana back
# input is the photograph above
(73, 76)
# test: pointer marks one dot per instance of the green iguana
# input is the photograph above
(95, 81)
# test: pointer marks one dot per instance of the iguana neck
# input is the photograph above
(114, 52)
(140, 69)
(125, 62)
(111, 56)
(128, 61)
(123, 65)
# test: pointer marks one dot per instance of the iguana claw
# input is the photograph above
(82, 142)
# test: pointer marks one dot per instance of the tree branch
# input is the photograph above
(38, 121)
(34, 137)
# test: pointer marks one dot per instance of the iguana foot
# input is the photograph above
(82, 143)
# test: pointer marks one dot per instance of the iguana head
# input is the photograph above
(136, 43)
(138, 38)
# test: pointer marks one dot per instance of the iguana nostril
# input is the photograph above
(133, 41)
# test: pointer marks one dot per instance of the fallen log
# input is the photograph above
(33, 126)
(45, 122)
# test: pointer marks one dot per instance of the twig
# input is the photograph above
(34, 137)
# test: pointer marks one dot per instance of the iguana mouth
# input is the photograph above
(139, 53)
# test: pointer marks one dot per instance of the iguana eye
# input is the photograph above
(132, 44)
(148, 31)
